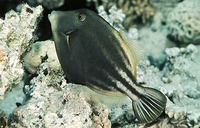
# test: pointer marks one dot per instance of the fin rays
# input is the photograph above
(135, 48)
(150, 105)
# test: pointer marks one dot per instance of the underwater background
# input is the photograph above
(33, 88)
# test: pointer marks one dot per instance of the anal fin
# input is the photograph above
(101, 91)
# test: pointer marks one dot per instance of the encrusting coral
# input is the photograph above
(16, 35)
(169, 120)
(69, 107)
(42, 60)
(179, 82)
(41, 52)
(183, 22)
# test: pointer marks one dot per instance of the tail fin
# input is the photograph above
(150, 106)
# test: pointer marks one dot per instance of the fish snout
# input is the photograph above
(53, 16)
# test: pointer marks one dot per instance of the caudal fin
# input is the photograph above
(150, 105)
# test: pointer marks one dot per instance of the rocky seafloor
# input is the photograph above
(35, 93)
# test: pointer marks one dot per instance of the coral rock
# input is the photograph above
(3, 120)
(40, 52)
(71, 107)
(133, 9)
(16, 35)
(183, 22)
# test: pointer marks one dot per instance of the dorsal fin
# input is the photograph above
(135, 48)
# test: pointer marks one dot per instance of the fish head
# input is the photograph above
(67, 22)
(67, 29)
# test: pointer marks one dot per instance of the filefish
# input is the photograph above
(92, 53)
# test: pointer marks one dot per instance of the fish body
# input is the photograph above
(93, 53)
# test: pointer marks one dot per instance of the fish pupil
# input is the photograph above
(81, 17)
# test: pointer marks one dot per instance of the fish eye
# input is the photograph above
(81, 17)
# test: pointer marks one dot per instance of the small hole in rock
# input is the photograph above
(40, 117)
(18, 104)
(29, 10)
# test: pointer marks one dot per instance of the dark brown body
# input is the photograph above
(94, 54)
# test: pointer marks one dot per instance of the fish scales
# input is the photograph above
(94, 54)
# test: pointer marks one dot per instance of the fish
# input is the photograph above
(92, 53)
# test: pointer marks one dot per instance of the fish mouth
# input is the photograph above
(70, 32)
(68, 35)
(53, 16)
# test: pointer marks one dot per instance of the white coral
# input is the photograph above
(70, 107)
(183, 22)
(114, 18)
(16, 35)
(41, 51)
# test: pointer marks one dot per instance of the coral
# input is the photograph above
(42, 51)
(164, 6)
(100, 115)
(182, 76)
(2, 54)
(48, 77)
(50, 4)
(183, 22)
(169, 120)
(3, 120)
(182, 61)
(133, 9)
(16, 35)
(179, 81)
(154, 43)
(42, 60)
(13, 99)
(49, 72)
(53, 103)
(121, 113)
(69, 107)
(132, 34)
(114, 18)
